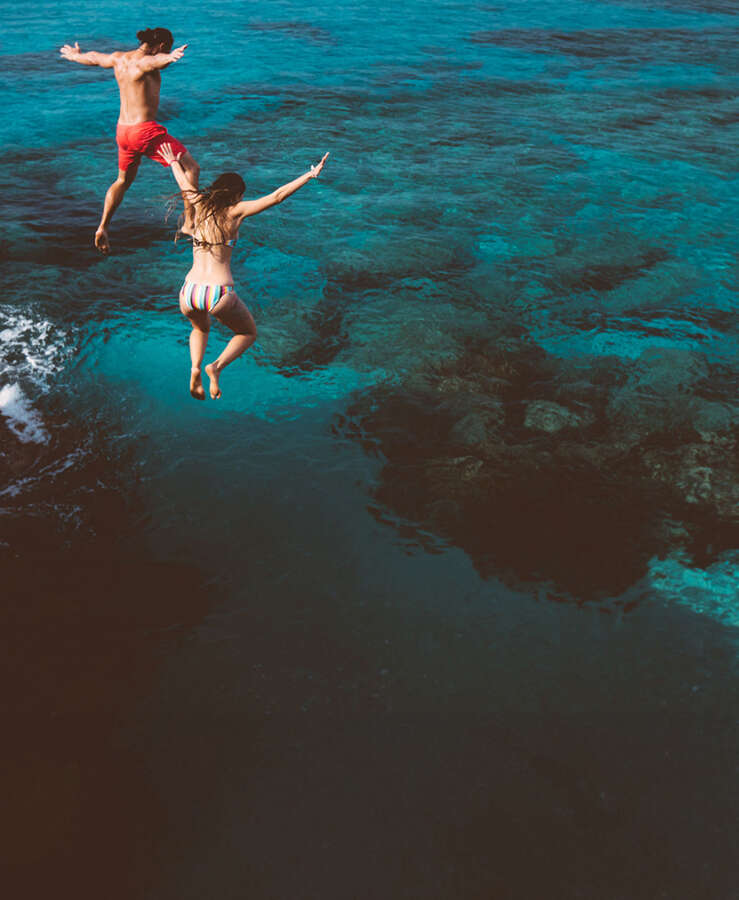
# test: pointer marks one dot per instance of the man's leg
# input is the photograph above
(112, 201)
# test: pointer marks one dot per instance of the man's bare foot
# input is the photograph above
(212, 372)
(196, 385)
(101, 241)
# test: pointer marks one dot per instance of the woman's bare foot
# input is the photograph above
(196, 385)
(101, 241)
(213, 372)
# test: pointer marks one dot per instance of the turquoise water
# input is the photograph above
(440, 599)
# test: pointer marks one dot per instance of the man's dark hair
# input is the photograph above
(156, 36)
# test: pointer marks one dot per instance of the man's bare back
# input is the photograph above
(139, 90)
(138, 73)
(139, 82)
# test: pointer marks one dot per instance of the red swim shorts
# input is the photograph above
(143, 138)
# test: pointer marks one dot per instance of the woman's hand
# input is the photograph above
(167, 154)
(315, 171)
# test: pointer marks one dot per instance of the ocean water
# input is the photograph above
(440, 600)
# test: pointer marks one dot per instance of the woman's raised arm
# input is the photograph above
(180, 175)
(252, 207)
(189, 191)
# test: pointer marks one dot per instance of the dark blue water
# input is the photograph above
(440, 599)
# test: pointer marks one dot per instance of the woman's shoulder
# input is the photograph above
(232, 224)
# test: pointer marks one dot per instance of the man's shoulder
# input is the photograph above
(119, 58)
(128, 63)
(124, 56)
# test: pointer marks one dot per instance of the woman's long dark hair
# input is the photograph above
(211, 204)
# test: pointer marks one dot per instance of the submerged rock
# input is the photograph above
(665, 369)
(664, 392)
(476, 428)
(561, 473)
(543, 415)
(705, 474)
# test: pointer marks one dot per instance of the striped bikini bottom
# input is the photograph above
(203, 296)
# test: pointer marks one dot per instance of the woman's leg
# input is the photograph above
(200, 322)
(234, 315)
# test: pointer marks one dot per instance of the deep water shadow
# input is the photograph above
(408, 749)
(627, 44)
(88, 614)
(331, 337)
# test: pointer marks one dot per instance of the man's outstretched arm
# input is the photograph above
(161, 60)
(91, 58)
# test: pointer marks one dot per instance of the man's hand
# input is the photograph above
(161, 60)
(102, 242)
(91, 58)
(178, 53)
(69, 52)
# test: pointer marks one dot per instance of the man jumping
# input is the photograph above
(139, 81)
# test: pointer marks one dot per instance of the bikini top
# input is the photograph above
(231, 242)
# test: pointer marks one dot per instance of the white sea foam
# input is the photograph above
(32, 351)
(32, 348)
(23, 420)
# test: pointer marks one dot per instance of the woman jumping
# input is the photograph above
(212, 219)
